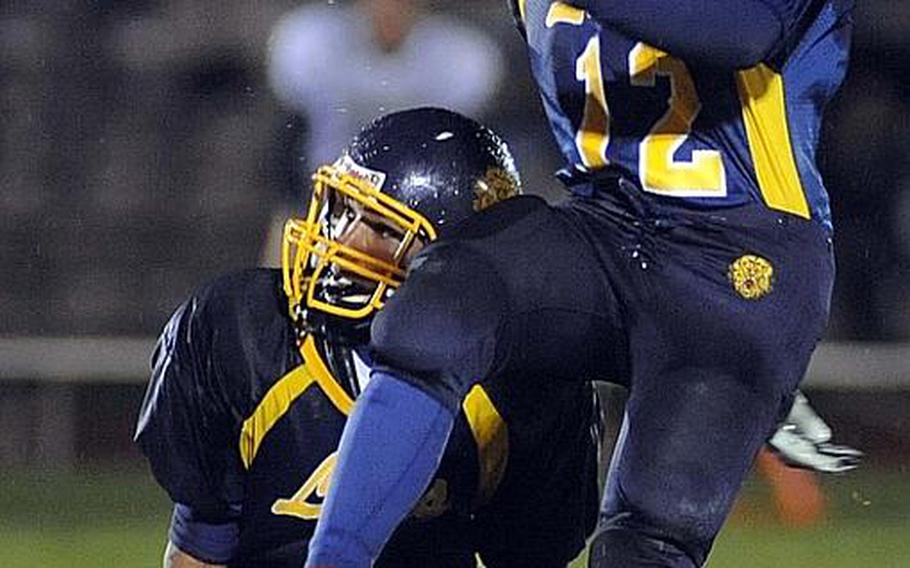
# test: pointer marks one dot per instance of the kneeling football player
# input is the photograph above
(255, 375)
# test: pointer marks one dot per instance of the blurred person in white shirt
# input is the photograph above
(337, 65)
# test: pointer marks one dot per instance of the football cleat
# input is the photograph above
(803, 440)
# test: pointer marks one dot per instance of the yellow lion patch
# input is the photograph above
(752, 276)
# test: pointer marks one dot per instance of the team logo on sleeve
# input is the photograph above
(752, 276)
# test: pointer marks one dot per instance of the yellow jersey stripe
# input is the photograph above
(560, 13)
(271, 408)
(323, 376)
(491, 435)
(761, 92)
(278, 400)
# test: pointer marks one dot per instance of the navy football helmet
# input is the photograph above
(408, 176)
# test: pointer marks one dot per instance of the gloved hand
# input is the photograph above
(803, 440)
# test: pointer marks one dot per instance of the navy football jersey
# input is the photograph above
(707, 136)
(238, 420)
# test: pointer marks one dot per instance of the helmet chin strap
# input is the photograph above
(350, 332)
(339, 289)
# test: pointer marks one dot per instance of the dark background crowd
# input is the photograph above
(143, 150)
(147, 146)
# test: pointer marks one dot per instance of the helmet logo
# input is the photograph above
(752, 276)
(346, 164)
(495, 186)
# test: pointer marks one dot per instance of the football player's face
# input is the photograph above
(373, 234)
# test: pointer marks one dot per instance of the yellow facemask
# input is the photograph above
(324, 274)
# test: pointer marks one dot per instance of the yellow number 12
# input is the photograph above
(658, 169)
(593, 134)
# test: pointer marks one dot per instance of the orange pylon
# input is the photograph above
(798, 498)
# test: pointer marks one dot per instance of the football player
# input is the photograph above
(255, 375)
(692, 264)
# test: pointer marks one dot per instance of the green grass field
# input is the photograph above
(119, 520)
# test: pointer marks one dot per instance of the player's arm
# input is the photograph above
(397, 433)
(182, 430)
(803, 440)
(197, 540)
(725, 33)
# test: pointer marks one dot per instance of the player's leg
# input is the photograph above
(716, 352)
(517, 288)
(520, 288)
(686, 444)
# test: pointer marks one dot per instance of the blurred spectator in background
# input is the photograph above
(866, 158)
(132, 130)
(335, 66)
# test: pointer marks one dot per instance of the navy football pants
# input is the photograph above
(709, 317)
